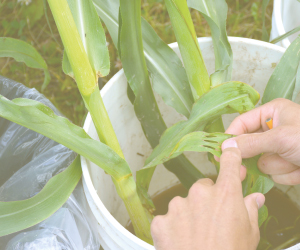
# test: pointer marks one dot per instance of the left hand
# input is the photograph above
(212, 216)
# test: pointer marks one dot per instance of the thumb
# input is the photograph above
(257, 143)
(253, 202)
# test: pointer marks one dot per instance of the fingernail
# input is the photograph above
(260, 200)
(230, 143)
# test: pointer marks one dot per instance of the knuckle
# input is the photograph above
(175, 204)
(231, 153)
(282, 102)
(205, 181)
(156, 224)
(196, 190)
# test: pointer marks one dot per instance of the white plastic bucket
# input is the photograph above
(286, 16)
(254, 62)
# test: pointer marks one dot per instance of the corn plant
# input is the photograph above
(149, 65)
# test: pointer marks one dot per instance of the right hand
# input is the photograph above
(280, 145)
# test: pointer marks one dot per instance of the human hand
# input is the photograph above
(280, 145)
(213, 216)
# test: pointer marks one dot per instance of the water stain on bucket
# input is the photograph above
(281, 229)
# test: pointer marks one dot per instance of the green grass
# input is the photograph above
(29, 23)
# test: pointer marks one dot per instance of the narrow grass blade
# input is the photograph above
(19, 215)
(265, 34)
(215, 13)
(41, 119)
(47, 19)
(167, 74)
(189, 48)
(92, 35)
(297, 84)
(226, 98)
(286, 35)
(282, 82)
(24, 52)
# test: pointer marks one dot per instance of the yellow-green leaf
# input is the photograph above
(19, 215)
(24, 52)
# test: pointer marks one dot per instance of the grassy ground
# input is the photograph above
(29, 23)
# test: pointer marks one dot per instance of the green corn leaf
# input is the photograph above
(265, 34)
(41, 119)
(226, 98)
(262, 215)
(230, 97)
(262, 184)
(108, 10)
(92, 36)
(19, 215)
(168, 76)
(297, 84)
(189, 48)
(24, 52)
(215, 13)
(146, 109)
(286, 35)
(211, 142)
(282, 82)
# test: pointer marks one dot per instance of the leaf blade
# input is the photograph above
(169, 79)
(41, 119)
(189, 48)
(145, 106)
(24, 52)
(282, 82)
(231, 97)
(286, 35)
(19, 215)
(92, 36)
(297, 84)
(215, 13)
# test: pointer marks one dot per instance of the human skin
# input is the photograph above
(212, 216)
(280, 145)
(216, 216)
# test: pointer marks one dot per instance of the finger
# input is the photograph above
(253, 202)
(292, 178)
(206, 182)
(243, 172)
(273, 164)
(275, 140)
(159, 230)
(230, 164)
(252, 120)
